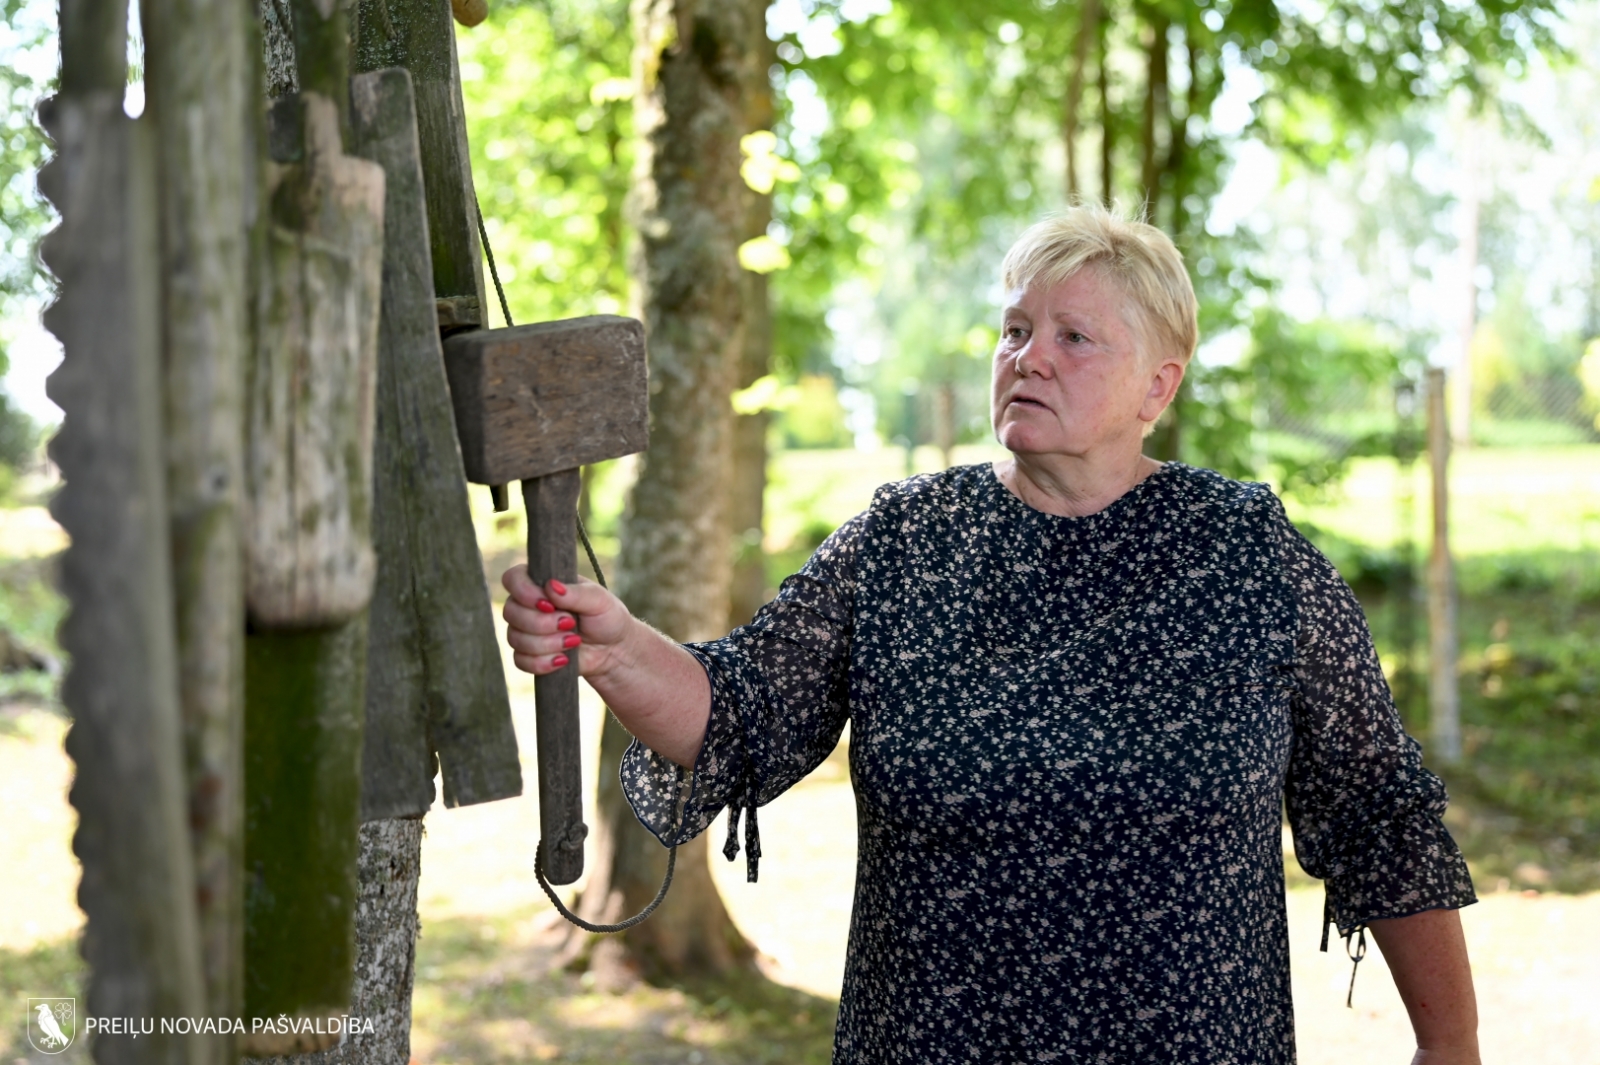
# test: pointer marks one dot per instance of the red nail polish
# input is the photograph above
(572, 641)
(557, 587)
(566, 624)
(559, 660)
(546, 607)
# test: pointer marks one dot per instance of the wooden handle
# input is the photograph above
(552, 503)
(469, 12)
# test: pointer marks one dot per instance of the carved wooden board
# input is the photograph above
(434, 676)
(308, 476)
(142, 937)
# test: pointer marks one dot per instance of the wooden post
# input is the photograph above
(309, 573)
(419, 36)
(1461, 383)
(1444, 697)
(302, 767)
(533, 404)
(206, 112)
(141, 940)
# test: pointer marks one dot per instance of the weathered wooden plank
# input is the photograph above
(137, 889)
(419, 35)
(309, 479)
(303, 697)
(542, 398)
(434, 674)
(308, 473)
(206, 110)
(386, 937)
(552, 504)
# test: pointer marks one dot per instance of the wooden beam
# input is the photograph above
(302, 824)
(141, 940)
(434, 676)
(309, 574)
(207, 112)
(420, 36)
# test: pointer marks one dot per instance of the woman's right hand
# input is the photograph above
(544, 626)
(655, 688)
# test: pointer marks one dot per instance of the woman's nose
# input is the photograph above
(1031, 361)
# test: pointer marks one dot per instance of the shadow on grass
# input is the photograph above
(486, 994)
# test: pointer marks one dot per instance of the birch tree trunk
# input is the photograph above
(691, 66)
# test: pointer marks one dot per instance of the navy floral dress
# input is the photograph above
(1072, 743)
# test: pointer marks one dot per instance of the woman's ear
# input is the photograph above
(1163, 387)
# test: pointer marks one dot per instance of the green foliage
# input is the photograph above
(24, 215)
(810, 414)
(549, 117)
(944, 134)
(1271, 411)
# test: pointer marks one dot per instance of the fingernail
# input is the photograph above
(566, 623)
(559, 660)
(572, 641)
(557, 587)
(546, 607)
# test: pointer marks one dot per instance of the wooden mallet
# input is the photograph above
(533, 403)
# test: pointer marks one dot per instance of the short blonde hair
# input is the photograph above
(1139, 257)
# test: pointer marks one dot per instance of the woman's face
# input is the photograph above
(1071, 375)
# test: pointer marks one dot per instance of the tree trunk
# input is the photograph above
(1108, 119)
(1155, 105)
(206, 106)
(1088, 33)
(691, 68)
(1177, 164)
(747, 502)
(386, 939)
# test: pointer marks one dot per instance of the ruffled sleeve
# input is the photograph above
(1366, 815)
(779, 702)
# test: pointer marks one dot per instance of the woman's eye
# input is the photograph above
(1076, 338)
(1015, 332)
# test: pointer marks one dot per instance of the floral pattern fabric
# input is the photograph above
(1072, 744)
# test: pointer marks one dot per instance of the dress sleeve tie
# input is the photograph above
(748, 799)
(752, 836)
(1355, 955)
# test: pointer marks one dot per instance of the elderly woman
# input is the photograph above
(1083, 686)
